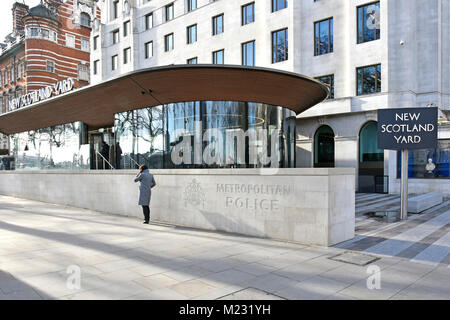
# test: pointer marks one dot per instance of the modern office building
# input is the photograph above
(372, 54)
(49, 43)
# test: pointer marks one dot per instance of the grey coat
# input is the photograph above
(145, 189)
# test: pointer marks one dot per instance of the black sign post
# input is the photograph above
(405, 129)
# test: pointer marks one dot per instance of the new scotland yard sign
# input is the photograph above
(407, 128)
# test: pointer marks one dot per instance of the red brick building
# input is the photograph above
(49, 43)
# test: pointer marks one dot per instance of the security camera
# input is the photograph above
(402, 43)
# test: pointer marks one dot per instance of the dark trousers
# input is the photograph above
(146, 210)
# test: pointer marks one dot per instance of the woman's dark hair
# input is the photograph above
(144, 167)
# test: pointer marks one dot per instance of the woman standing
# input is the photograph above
(145, 190)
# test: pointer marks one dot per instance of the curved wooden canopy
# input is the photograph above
(96, 104)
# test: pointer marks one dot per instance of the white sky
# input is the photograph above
(6, 15)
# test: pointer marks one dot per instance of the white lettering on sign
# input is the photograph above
(401, 131)
(58, 88)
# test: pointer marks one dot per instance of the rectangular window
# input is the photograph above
(191, 5)
(12, 78)
(50, 66)
(192, 34)
(248, 53)
(95, 42)
(148, 47)
(34, 32)
(70, 41)
(115, 36)
(192, 61)
(149, 21)
(219, 57)
(323, 37)
(115, 9)
(126, 28)
(126, 55)
(45, 34)
(19, 71)
(368, 79)
(96, 62)
(279, 45)
(85, 45)
(168, 42)
(248, 13)
(329, 82)
(369, 22)
(279, 5)
(217, 24)
(83, 72)
(169, 12)
(114, 60)
(428, 163)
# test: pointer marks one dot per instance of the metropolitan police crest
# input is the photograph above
(194, 194)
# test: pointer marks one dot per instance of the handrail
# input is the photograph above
(98, 153)
(127, 154)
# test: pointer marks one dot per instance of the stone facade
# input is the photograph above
(309, 206)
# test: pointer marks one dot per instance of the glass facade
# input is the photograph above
(50, 148)
(428, 163)
(206, 134)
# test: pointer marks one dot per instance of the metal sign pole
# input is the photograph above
(404, 186)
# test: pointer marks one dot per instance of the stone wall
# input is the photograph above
(309, 206)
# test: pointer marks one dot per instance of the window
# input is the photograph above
(83, 72)
(168, 42)
(369, 22)
(219, 57)
(248, 13)
(279, 45)
(85, 45)
(149, 21)
(115, 9)
(114, 60)
(148, 49)
(126, 28)
(115, 36)
(1, 78)
(12, 78)
(45, 34)
(95, 42)
(169, 12)
(34, 32)
(50, 66)
(19, 71)
(96, 62)
(70, 40)
(192, 61)
(328, 81)
(191, 5)
(279, 4)
(126, 55)
(217, 24)
(248, 53)
(323, 37)
(55, 36)
(85, 19)
(192, 34)
(368, 79)
(6, 77)
(428, 163)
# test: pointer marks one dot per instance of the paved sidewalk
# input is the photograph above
(120, 258)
